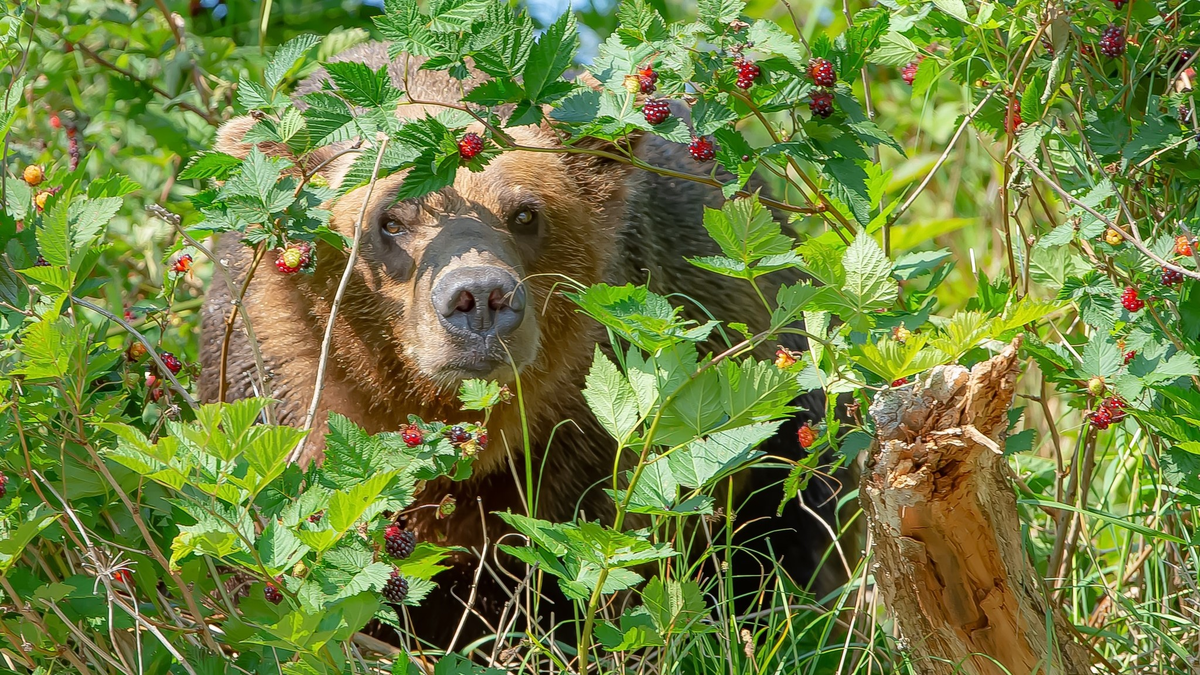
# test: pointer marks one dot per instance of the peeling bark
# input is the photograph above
(948, 555)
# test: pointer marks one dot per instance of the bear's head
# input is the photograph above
(462, 283)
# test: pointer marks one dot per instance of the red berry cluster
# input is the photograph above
(3, 485)
(1118, 4)
(900, 382)
(909, 72)
(1183, 246)
(1112, 409)
(1130, 300)
(806, 436)
(648, 81)
(412, 435)
(656, 110)
(316, 517)
(822, 73)
(702, 149)
(470, 146)
(1013, 120)
(182, 264)
(398, 542)
(294, 258)
(1129, 356)
(172, 362)
(820, 102)
(1112, 41)
(1171, 277)
(396, 588)
(747, 72)
(123, 576)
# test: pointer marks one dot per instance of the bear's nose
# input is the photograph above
(480, 301)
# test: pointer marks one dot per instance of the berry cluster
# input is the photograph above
(469, 146)
(748, 72)
(820, 102)
(1130, 299)
(398, 542)
(458, 435)
(900, 382)
(822, 73)
(1013, 121)
(123, 576)
(272, 593)
(1171, 277)
(1183, 247)
(1112, 41)
(182, 264)
(702, 149)
(656, 110)
(909, 72)
(3, 485)
(294, 258)
(1112, 237)
(1118, 4)
(647, 80)
(172, 362)
(1129, 356)
(412, 435)
(396, 588)
(806, 436)
(1112, 409)
(316, 517)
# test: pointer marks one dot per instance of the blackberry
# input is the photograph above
(820, 102)
(900, 382)
(1170, 276)
(647, 81)
(3, 485)
(1118, 4)
(702, 149)
(398, 543)
(411, 435)
(909, 72)
(316, 517)
(656, 111)
(1112, 41)
(41, 262)
(396, 588)
(172, 362)
(806, 436)
(1129, 356)
(822, 73)
(1130, 300)
(470, 146)
(747, 73)
(1100, 418)
(458, 435)
(272, 594)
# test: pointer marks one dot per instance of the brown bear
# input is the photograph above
(461, 284)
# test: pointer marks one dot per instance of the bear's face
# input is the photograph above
(461, 277)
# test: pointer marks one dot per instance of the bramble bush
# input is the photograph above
(141, 531)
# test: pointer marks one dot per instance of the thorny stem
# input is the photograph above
(327, 342)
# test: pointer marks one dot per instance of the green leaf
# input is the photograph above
(346, 507)
(479, 394)
(363, 86)
(676, 606)
(722, 452)
(210, 165)
(746, 231)
(954, 8)
(869, 284)
(1101, 358)
(452, 16)
(550, 56)
(53, 237)
(611, 397)
(285, 58)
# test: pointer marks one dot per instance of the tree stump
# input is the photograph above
(948, 555)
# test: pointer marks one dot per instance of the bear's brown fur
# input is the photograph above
(390, 357)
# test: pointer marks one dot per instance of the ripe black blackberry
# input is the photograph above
(702, 149)
(272, 594)
(1170, 277)
(396, 588)
(647, 81)
(458, 435)
(656, 110)
(822, 73)
(1112, 41)
(398, 543)
(821, 103)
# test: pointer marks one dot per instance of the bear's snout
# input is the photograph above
(478, 302)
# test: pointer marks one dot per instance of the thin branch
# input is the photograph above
(208, 116)
(327, 342)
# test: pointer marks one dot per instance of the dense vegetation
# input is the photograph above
(956, 175)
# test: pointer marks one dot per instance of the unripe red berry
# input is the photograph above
(900, 382)
(656, 111)
(411, 435)
(1100, 418)
(702, 149)
(316, 517)
(123, 576)
(1013, 120)
(909, 72)
(806, 436)
(822, 73)
(3, 485)
(172, 363)
(294, 258)
(820, 102)
(470, 146)
(55, 122)
(1118, 4)
(1130, 300)
(1112, 41)
(1129, 356)
(1183, 247)
(182, 264)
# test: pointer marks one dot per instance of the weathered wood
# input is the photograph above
(948, 555)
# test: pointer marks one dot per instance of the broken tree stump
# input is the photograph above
(948, 555)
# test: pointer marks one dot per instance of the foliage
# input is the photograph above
(142, 529)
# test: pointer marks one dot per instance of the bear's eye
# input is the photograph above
(524, 221)
(392, 226)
